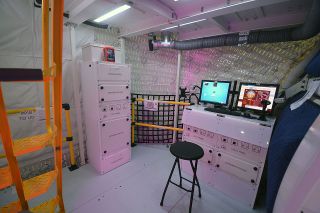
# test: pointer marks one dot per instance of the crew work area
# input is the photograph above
(154, 106)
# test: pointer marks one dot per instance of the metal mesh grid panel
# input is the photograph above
(163, 117)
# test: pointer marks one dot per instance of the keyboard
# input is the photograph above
(222, 111)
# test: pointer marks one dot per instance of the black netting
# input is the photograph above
(163, 117)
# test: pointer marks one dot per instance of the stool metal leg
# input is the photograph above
(180, 173)
(193, 183)
(169, 179)
(195, 173)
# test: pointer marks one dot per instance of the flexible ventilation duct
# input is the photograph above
(310, 28)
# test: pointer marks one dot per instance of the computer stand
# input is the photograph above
(247, 115)
(233, 93)
(193, 94)
(264, 103)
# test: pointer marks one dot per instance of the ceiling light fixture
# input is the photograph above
(168, 28)
(192, 22)
(113, 13)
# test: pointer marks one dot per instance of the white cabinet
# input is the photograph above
(105, 91)
(208, 154)
(115, 135)
(239, 168)
(235, 150)
(113, 73)
(114, 92)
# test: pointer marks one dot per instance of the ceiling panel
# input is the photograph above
(70, 4)
(293, 6)
(185, 8)
(142, 17)
(273, 12)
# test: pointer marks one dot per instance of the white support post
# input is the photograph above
(123, 50)
(176, 107)
(76, 94)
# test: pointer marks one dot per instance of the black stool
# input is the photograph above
(185, 151)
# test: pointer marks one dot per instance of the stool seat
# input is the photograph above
(190, 152)
(186, 151)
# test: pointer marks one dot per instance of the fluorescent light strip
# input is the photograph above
(210, 11)
(192, 22)
(168, 28)
(113, 13)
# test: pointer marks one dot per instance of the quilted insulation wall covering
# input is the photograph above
(155, 72)
(152, 72)
(262, 63)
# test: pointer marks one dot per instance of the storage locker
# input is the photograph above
(107, 113)
(115, 73)
(237, 167)
(114, 135)
(114, 92)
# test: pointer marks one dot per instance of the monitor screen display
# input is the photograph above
(251, 95)
(215, 92)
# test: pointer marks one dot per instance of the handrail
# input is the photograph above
(165, 102)
(152, 125)
(159, 127)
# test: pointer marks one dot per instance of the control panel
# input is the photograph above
(235, 150)
(111, 110)
(223, 143)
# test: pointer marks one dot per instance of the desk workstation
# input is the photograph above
(235, 142)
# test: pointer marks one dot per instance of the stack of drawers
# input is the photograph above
(106, 106)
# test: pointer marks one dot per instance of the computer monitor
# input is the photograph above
(251, 95)
(215, 92)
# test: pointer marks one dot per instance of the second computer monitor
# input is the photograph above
(215, 92)
(251, 95)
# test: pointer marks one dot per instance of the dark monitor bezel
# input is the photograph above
(257, 84)
(216, 103)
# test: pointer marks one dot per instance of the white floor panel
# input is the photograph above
(211, 201)
(136, 187)
(93, 185)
